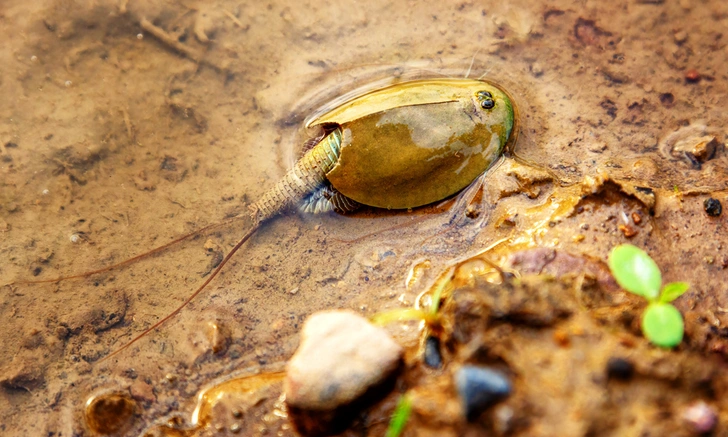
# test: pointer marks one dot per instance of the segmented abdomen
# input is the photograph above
(305, 177)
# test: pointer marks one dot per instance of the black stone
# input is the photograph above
(432, 357)
(479, 388)
(619, 368)
(713, 207)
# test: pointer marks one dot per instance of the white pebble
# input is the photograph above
(46, 192)
(75, 238)
(140, 36)
(340, 357)
(33, 58)
(68, 83)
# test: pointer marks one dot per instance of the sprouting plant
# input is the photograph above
(637, 273)
(429, 316)
(400, 416)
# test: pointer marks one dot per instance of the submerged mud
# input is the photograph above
(127, 124)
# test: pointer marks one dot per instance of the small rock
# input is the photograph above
(503, 419)
(142, 391)
(692, 76)
(432, 355)
(536, 69)
(694, 144)
(700, 417)
(23, 375)
(713, 207)
(218, 337)
(701, 148)
(628, 231)
(340, 357)
(619, 368)
(680, 37)
(480, 388)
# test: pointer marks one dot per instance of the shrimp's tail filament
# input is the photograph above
(305, 177)
(131, 260)
(209, 279)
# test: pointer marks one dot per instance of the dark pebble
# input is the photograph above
(432, 357)
(713, 207)
(11, 145)
(480, 388)
(619, 368)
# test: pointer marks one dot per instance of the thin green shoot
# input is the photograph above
(400, 416)
(437, 295)
(429, 316)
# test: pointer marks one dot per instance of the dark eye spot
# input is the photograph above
(486, 99)
(487, 104)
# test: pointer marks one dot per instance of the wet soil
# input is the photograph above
(125, 124)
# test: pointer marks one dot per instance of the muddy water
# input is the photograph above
(126, 124)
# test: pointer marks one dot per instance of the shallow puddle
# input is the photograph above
(126, 124)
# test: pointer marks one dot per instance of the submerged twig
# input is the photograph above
(175, 45)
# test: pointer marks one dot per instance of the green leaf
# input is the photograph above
(662, 324)
(400, 417)
(635, 271)
(673, 290)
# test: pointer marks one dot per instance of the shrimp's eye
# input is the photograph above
(486, 99)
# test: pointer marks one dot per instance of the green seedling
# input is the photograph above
(636, 272)
(429, 316)
(400, 416)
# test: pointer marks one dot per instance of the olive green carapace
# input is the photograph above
(399, 147)
(417, 142)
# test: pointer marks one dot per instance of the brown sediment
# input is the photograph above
(92, 111)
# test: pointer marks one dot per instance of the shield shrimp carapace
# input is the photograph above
(398, 147)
